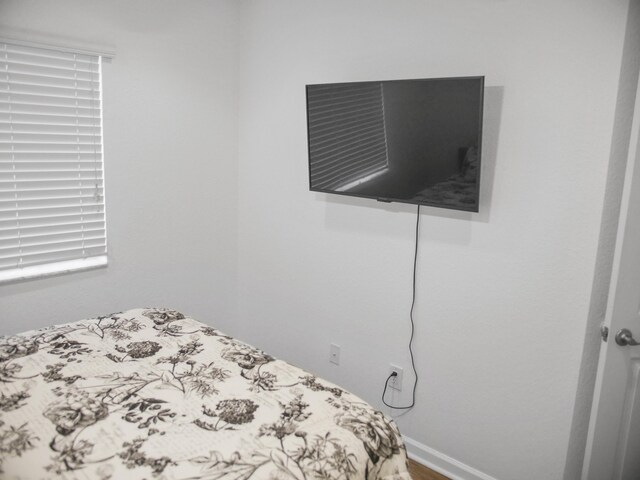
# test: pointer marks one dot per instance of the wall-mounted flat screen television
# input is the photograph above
(411, 141)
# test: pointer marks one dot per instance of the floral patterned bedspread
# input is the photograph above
(149, 393)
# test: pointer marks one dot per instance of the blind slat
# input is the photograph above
(53, 156)
(19, 138)
(10, 234)
(33, 186)
(46, 178)
(50, 220)
(44, 119)
(45, 164)
(7, 204)
(50, 71)
(24, 128)
(54, 249)
(7, 213)
(10, 106)
(19, 58)
(17, 148)
(17, 79)
(39, 242)
(52, 91)
(32, 99)
(34, 192)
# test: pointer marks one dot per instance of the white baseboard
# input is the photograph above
(441, 463)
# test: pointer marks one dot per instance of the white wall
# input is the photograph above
(170, 158)
(504, 295)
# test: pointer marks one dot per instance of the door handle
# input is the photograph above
(624, 337)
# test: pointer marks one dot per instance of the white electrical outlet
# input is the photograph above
(396, 381)
(334, 354)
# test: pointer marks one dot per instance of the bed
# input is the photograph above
(150, 393)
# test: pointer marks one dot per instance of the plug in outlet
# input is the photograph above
(395, 382)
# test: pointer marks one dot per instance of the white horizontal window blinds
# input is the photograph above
(346, 123)
(51, 172)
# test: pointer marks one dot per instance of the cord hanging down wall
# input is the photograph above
(413, 302)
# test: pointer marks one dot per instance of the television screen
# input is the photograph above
(411, 141)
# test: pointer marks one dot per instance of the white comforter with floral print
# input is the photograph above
(151, 394)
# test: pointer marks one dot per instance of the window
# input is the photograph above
(52, 216)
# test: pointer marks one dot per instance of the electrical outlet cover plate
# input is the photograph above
(334, 354)
(395, 382)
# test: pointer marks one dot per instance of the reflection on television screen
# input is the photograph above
(414, 141)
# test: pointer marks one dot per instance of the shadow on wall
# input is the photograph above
(335, 218)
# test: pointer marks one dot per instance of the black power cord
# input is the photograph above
(413, 302)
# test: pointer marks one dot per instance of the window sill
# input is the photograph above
(50, 269)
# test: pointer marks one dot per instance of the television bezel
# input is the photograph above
(475, 208)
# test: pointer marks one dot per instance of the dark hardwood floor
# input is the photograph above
(420, 472)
